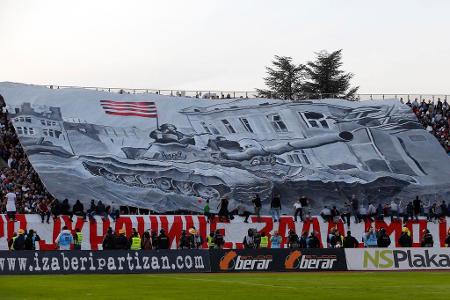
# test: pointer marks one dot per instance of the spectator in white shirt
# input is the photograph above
(11, 205)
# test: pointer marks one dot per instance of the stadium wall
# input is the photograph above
(233, 231)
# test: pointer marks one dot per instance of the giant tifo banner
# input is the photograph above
(233, 231)
(171, 153)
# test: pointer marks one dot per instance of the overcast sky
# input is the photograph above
(391, 46)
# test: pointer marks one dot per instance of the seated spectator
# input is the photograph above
(43, 210)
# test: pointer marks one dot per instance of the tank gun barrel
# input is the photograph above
(281, 148)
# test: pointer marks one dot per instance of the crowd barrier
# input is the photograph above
(224, 261)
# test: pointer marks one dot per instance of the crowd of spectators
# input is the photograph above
(435, 118)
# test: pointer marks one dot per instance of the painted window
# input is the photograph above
(228, 126)
(246, 124)
(277, 123)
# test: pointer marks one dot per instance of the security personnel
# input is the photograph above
(78, 237)
(264, 243)
(135, 242)
(210, 240)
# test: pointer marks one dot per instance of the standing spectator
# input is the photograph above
(207, 211)
(11, 205)
(163, 240)
(101, 210)
(275, 240)
(64, 239)
(346, 212)
(427, 239)
(275, 207)
(355, 208)
(19, 241)
(443, 208)
(146, 241)
(109, 241)
(298, 210)
(383, 239)
(335, 215)
(405, 239)
(65, 208)
(92, 210)
(417, 204)
(44, 210)
(371, 212)
(409, 212)
(223, 210)
(31, 239)
(55, 208)
(394, 212)
(325, 213)
(78, 210)
(350, 241)
(432, 215)
(257, 206)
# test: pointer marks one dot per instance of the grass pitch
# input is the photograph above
(349, 285)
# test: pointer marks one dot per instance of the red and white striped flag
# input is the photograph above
(135, 109)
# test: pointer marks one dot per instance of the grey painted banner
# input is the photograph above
(170, 153)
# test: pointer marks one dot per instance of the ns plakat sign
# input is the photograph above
(398, 259)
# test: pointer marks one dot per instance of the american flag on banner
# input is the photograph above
(134, 109)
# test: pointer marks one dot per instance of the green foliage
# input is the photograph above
(284, 79)
(321, 78)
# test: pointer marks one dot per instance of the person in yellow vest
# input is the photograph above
(210, 241)
(78, 238)
(264, 243)
(11, 241)
(135, 241)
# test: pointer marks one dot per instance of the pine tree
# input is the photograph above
(284, 79)
(325, 79)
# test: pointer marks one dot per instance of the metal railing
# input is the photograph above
(224, 94)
